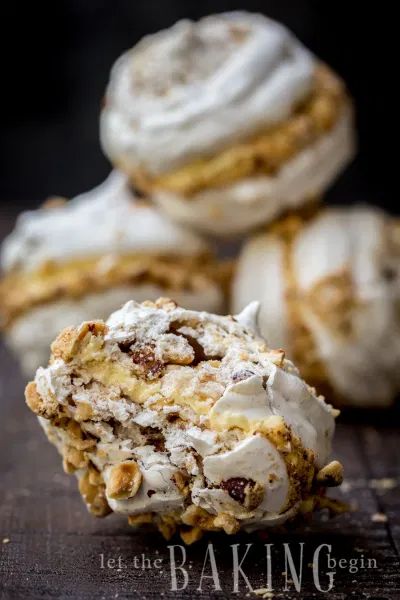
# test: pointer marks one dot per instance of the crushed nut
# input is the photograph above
(189, 536)
(77, 438)
(36, 404)
(227, 522)
(335, 507)
(166, 525)
(198, 517)
(124, 480)
(181, 481)
(331, 475)
(94, 476)
(140, 519)
(166, 304)
(65, 345)
(94, 496)
(83, 411)
(308, 505)
(73, 459)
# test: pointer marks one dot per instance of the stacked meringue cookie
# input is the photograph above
(188, 420)
(227, 122)
(185, 420)
(76, 260)
(329, 285)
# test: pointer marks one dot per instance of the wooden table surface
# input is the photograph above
(50, 547)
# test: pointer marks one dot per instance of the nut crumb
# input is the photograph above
(379, 518)
(384, 484)
(124, 480)
(263, 592)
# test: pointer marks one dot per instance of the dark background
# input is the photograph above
(57, 56)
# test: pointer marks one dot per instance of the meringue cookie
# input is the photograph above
(329, 287)
(88, 256)
(227, 121)
(211, 429)
(189, 90)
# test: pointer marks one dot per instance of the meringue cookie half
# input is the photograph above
(73, 260)
(329, 287)
(184, 419)
(227, 121)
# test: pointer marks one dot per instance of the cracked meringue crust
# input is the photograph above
(184, 420)
(263, 154)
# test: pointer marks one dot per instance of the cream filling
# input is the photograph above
(31, 334)
(234, 208)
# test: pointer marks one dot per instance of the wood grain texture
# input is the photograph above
(55, 546)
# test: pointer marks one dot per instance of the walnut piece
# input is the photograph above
(73, 459)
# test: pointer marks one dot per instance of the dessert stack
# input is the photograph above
(166, 411)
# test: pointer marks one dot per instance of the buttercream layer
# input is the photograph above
(248, 203)
(21, 291)
(262, 154)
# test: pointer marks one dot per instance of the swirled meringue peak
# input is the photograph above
(190, 90)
